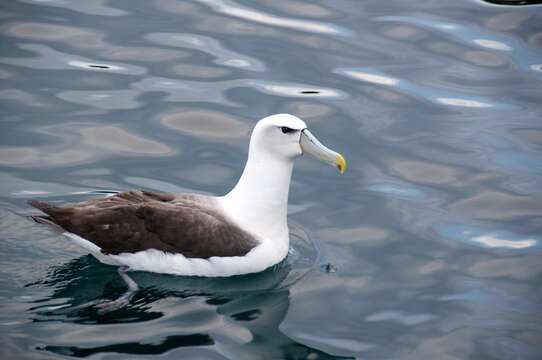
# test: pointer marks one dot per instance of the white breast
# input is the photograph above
(258, 259)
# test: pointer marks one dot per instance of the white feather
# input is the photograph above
(258, 204)
(259, 258)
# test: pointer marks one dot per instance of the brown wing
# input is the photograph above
(136, 220)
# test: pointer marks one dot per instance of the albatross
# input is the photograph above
(244, 231)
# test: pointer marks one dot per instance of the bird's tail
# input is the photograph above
(44, 219)
(41, 205)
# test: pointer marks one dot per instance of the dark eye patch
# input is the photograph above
(286, 130)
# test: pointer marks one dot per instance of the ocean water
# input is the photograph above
(428, 247)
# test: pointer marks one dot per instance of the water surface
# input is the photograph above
(429, 247)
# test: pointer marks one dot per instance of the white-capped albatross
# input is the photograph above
(244, 231)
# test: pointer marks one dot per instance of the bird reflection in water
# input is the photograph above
(172, 312)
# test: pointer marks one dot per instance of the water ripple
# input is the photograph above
(233, 9)
(432, 237)
(474, 36)
(192, 91)
(51, 59)
(104, 99)
(88, 39)
(224, 56)
(489, 238)
(433, 94)
(96, 7)
(81, 143)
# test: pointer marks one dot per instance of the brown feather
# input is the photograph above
(138, 220)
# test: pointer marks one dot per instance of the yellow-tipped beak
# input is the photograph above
(310, 144)
(341, 163)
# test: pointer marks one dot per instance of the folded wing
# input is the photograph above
(137, 220)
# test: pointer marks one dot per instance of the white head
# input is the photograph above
(259, 201)
(286, 136)
(278, 135)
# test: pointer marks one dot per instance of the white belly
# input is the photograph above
(258, 259)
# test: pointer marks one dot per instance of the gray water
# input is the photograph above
(428, 247)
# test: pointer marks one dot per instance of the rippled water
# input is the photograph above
(429, 247)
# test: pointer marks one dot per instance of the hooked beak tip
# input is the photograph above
(341, 163)
(311, 145)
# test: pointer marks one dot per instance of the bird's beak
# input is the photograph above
(310, 145)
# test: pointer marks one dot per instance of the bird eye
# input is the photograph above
(286, 130)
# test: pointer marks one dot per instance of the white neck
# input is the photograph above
(259, 201)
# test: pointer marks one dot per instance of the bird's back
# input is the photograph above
(138, 220)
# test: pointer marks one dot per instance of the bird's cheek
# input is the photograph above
(298, 151)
